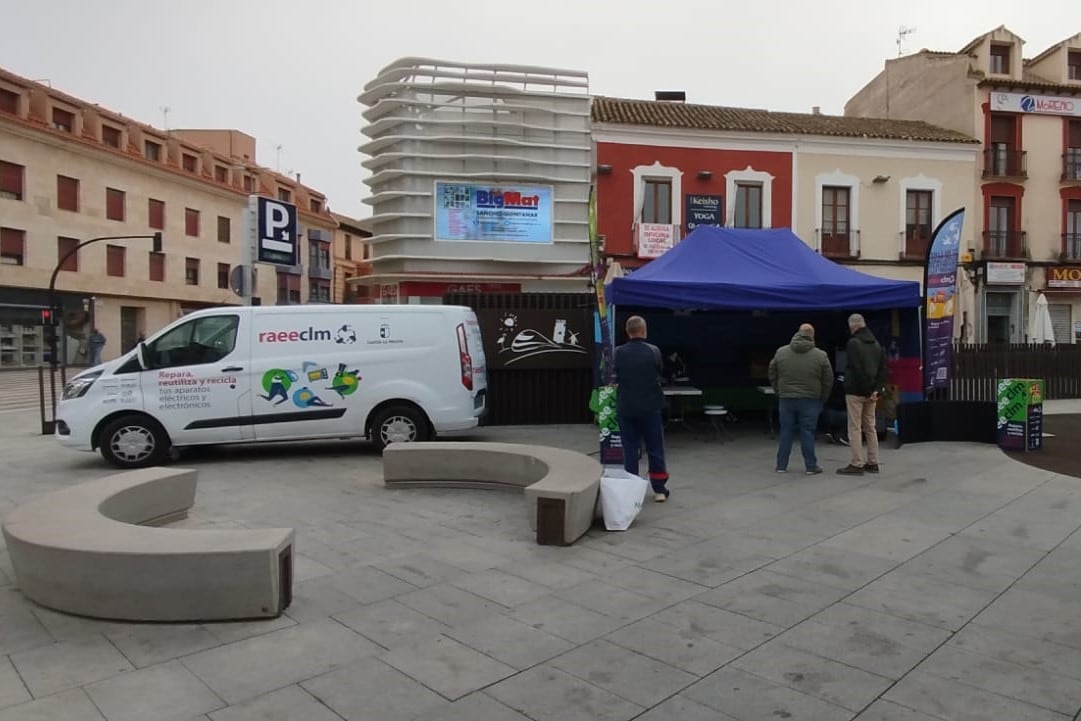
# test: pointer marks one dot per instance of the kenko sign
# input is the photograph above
(1036, 104)
(1064, 277)
(702, 210)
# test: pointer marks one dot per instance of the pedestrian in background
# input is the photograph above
(802, 378)
(639, 371)
(95, 342)
(865, 381)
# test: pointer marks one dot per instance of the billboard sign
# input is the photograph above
(493, 213)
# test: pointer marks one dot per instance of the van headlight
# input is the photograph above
(77, 387)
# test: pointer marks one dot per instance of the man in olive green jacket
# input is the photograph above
(802, 378)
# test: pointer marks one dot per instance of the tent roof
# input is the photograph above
(734, 269)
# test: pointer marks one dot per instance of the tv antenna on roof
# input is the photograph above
(902, 33)
(165, 116)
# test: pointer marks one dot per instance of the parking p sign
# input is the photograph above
(276, 238)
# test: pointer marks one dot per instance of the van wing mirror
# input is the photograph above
(141, 354)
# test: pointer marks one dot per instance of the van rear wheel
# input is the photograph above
(399, 424)
(134, 441)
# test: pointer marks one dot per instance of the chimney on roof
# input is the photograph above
(670, 96)
(816, 110)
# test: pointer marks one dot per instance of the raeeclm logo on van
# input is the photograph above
(342, 336)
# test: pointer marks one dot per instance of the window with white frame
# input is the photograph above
(656, 187)
(837, 214)
(918, 227)
(836, 220)
(748, 205)
(657, 201)
(920, 211)
(749, 201)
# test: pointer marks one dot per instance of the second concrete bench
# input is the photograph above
(560, 486)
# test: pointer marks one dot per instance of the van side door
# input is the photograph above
(305, 376)
(198, 381)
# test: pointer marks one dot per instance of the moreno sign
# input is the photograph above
(1065, 276)
(1035, 104)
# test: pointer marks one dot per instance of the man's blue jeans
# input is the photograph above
(633, 430)
(801, 414)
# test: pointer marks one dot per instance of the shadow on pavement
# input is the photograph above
(287, 449)
(1060, 453)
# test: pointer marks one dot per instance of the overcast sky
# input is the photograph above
(289, 72)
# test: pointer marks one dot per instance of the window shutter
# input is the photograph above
(11, 179)
(1060, 322)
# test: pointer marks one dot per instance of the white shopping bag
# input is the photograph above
(622, 495)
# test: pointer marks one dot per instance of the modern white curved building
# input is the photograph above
(479, 180)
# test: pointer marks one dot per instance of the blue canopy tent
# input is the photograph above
(748, 290)
(739, 269)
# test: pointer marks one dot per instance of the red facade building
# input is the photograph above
(656, 182)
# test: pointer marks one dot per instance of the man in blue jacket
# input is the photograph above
(639, 369)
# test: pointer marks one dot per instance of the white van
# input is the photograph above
(390, 373)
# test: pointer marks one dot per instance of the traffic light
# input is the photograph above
(46, 316)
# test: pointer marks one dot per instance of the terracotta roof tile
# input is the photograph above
(707, 117)
(1031, 82)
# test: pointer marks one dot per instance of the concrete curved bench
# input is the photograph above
(560, 486)
(90, 550)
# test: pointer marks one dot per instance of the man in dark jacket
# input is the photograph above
(802, 378)
(865, 380)
(639, 370)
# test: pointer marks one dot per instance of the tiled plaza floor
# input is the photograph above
(945, 587)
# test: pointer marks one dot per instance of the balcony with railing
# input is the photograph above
(1006, 244)
(837, 244)
(1005, 163)
(1071, 247)
(914, 244)
(1071, 165)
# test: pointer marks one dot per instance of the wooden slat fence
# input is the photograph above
(536, 396)
(978, 367)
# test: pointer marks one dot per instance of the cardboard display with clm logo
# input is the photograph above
(1020, 414)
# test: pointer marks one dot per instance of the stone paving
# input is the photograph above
(20, 390)
(944, 588)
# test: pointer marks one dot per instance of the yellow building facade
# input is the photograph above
(71, 171)
(1026, 186)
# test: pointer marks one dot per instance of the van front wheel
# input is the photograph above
(399, 424)
(134, 441)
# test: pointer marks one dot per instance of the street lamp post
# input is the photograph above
(48, 426)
